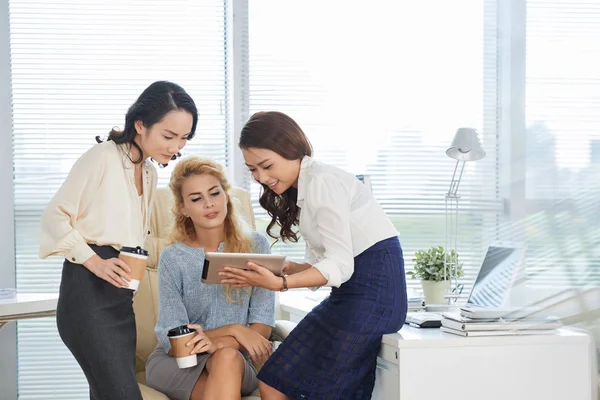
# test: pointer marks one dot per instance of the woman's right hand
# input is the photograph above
(290, 267)
(258, 347)
(111, 270)
(200, 343)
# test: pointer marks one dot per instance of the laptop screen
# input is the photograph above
(495, 278)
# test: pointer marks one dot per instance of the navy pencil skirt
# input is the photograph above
(332, 353)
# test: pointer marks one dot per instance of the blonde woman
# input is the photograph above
(232, 325)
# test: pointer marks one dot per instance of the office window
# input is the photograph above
(562, 149)
(76, 68)
(380, 88)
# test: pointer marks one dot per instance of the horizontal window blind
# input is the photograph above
(380, 88)
(76, 67)
(562, 144)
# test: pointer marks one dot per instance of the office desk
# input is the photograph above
(428, 364)
(27, 305)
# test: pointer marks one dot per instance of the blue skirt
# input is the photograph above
(332, 353)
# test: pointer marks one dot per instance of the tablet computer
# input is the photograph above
(215, 262)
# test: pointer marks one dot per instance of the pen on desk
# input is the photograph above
(414, 325)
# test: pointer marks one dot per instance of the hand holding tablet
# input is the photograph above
(215, 262)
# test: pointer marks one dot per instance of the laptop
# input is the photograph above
(490, 296)
(500, 269)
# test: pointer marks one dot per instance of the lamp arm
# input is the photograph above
(453, 189)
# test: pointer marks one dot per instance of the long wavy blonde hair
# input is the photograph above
(237, 232)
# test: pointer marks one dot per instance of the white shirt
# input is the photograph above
(339, 219)
(98, 204)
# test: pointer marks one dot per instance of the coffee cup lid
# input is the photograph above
(180, 330)
(134, 250)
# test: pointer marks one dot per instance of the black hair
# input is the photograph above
(154, 103)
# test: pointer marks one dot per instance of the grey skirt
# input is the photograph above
(96, 322)
(163, 374)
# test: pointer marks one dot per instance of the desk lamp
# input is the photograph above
(466, 146)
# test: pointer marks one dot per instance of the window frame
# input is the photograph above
(8, 333)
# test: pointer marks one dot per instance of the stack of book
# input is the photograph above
(416, 302)
(458, 324)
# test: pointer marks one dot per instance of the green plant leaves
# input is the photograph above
(429, 264)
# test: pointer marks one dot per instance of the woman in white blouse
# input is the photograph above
(104, 205)
(351, 245)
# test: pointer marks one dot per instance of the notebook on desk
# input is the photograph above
(424, 319)
(457, 322)
(498, 333)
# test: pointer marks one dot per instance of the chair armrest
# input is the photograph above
(282, 329)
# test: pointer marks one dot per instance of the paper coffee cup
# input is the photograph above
(179, 337)
(137, 259)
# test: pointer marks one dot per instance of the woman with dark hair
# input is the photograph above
(351, 245)
(103, 205)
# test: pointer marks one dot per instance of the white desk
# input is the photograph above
(429, 364)
(29, 305)
(426, 364)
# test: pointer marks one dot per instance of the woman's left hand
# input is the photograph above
(255, 275)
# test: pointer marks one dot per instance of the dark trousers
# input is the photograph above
(96, 322)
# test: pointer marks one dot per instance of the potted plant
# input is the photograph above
(429, 267)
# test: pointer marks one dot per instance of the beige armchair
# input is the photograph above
(145, 301)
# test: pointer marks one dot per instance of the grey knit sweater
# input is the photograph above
(183, 298)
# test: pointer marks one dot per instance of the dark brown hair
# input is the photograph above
(279, 133)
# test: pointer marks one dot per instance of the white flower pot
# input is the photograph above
(434, 291)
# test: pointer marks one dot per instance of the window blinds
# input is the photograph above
(380, 88)
(76, 67)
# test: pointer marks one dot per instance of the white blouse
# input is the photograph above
(339, 219)
(98, 204)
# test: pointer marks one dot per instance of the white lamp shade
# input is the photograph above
(466, 145)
